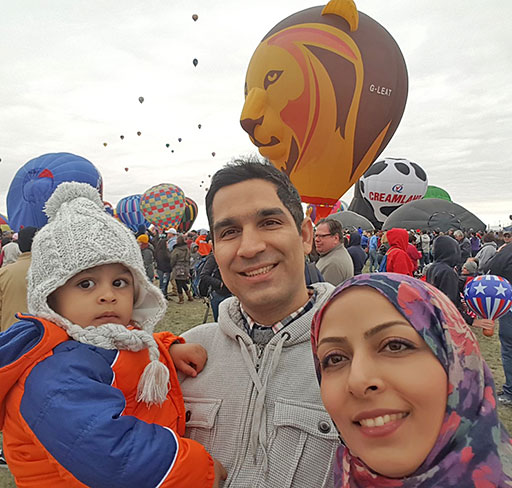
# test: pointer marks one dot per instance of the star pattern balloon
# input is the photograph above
(489, 296)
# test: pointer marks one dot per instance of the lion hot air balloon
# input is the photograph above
(324, 92)
(163, 205)
(189, 215)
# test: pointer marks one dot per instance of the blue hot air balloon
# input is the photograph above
(128, 212)
(489, 296)
(36, 180)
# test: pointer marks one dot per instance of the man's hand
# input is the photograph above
(220, 473)
(188, 358)
(485, 324)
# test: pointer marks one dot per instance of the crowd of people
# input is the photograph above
(311, 375)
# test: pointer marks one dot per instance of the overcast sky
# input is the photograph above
(72, 71)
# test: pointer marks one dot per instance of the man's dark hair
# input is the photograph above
(334, 227)
(251, 168)
(25, 238)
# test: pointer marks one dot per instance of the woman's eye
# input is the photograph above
(86, 284)
(333, 359)
(120, 283)
(397, 346)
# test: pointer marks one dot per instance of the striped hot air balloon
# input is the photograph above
(128, 212)
(489, 296)
(189, 216)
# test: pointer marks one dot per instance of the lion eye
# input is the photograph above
(271, 77)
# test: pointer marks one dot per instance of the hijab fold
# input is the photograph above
(473, 447)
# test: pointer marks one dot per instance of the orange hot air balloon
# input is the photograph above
(324, 92)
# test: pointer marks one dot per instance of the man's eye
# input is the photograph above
(271, 77)
(228, 233)
(86, 284)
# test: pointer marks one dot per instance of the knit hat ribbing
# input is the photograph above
(81, 235)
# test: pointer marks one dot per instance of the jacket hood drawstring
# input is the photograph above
(258, 432)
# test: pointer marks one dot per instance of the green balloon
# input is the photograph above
(436, 192)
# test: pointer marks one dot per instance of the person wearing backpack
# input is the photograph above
(180, 263)
(211, 284)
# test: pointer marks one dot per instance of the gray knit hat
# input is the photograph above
(81, 235)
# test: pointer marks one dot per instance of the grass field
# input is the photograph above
(180, 318)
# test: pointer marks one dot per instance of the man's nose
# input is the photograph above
(251, 243)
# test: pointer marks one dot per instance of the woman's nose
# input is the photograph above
(365, 377)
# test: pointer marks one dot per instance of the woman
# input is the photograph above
(180, 263)
(407, 388)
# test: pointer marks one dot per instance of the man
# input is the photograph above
(464, 245)
(256, 406)
(13, 281)
(372, 252)
(335, 262)
(507, 239)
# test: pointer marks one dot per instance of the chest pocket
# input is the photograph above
(303, 437)
(200, 417)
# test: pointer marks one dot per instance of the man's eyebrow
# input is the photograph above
(264, 212)
(369, 333)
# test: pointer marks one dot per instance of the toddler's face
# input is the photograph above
(100, 295)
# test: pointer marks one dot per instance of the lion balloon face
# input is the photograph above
(311, 106)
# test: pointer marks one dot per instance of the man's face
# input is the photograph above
(259, 250)
(507, 238)
(324, 240)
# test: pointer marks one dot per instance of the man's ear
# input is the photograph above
(306, 232)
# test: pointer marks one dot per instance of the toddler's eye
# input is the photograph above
(120, 283)
(86, 284)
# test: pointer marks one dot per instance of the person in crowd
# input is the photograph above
(194, 254)
(408, 390)
(397, 259)
(356, 252)
(486, 253)
(498, 238)
(425, 248)
(180, 264)
(212, 284)
(501, 265)
(147, 252)
(413, 253)
(475, 244)
(163, 264)
(89, 395)
(365, 238)
(335, 262)
(507, 239)
(10, 251)
(256, 406)
(373, 246)
(13, 281)
(464, 244)
(203, 243)
(443, 275)
(172, 236)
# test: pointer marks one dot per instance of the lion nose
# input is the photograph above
(249, 125)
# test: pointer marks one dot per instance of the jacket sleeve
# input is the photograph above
(207, 274)
(71, 408)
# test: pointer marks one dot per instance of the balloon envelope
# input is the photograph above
(391, 182)
(436, 192)
(322, 100)
(489, 296)
(352, 221)
(35, 181)
(189, 215)
(141, 99)
(128, 212)
(163, 205)
(433, 214)
(195, 61)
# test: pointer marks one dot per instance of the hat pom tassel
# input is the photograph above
(153, 384)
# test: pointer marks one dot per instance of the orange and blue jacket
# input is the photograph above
(70, 418)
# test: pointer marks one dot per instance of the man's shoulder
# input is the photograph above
(201, 333)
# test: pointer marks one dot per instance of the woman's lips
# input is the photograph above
(381, 425)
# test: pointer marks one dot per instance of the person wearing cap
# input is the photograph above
(13, 281)
(147, 252)
(89, 396)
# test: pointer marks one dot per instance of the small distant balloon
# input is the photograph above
(141, 99)
(167, 145)
(209, 176)
(105, 144)
(172, 150)
(179, 139)
(122, 137)
(195, 17)
(202, 181)
(198, 126)
(126, 169)
(213, 153)
(195, 61)
(139, 133)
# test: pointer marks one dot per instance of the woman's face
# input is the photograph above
(381, 383)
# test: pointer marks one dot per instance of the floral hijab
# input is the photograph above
(473, 448)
